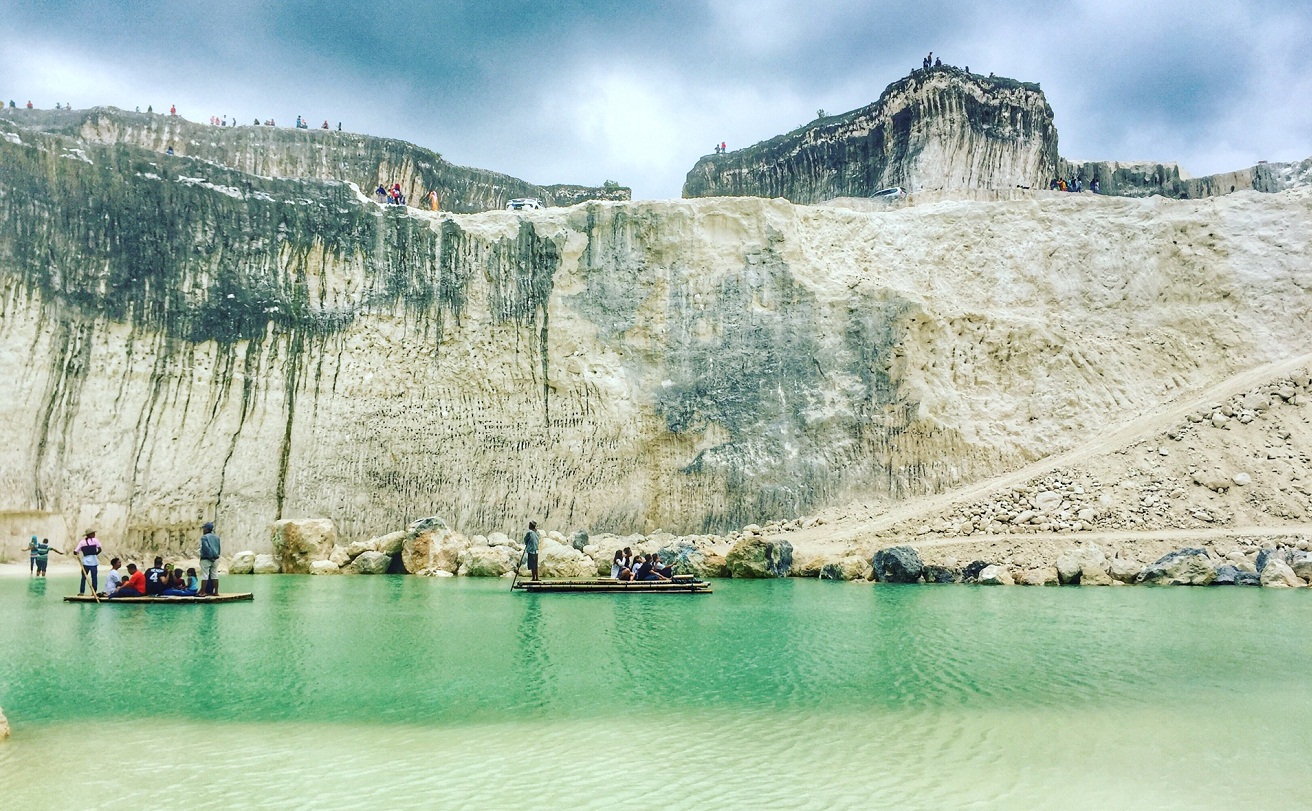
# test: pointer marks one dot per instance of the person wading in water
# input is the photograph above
(531, 547)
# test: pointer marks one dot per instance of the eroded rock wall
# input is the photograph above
(937, 129)
(1144, 179)
(184, 341)
(365, 160)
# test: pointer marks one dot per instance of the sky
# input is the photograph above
(584, 91)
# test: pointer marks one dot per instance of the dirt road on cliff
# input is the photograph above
(868, 532)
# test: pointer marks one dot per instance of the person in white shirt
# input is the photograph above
(114, 580)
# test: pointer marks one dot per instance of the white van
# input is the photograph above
(523, 203)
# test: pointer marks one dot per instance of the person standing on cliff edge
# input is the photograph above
(531, 547)
(210, 549)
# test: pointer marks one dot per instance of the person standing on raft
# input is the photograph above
(210, 549)
(531, 547)
(89, 552)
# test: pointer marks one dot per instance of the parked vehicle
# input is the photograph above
(523, 203)
(891, 193)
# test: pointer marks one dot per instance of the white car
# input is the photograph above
(522, 203)
(891, 193)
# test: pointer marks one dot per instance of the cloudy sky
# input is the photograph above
(585, 90)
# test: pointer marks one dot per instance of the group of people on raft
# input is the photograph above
(626, 566)
(157, 581)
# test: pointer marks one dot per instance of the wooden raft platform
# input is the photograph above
(222, 598)
(681, 584)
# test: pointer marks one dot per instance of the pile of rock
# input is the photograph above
(754, 555)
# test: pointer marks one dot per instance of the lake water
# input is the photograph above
(407, 692)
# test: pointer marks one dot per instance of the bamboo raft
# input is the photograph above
(680, 584)
(222, 598)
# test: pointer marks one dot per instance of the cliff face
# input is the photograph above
(1140, 179)
(937, 129)
(183, 340)
(314, 153)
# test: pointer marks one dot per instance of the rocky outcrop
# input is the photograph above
(299, 542)
(757, 557)
(282, 152)
(898, 564)
(937, 129)
(1143, 179)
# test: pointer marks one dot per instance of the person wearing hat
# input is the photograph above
(209, 561)
(88, 552)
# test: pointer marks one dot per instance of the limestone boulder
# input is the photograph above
(1041, 577)
(561, 560)
(849, 567)
(486, 561)
(757, 557)
(995, 576)
(324, 567)
(933, 573)
(424, 542)
(1269, 554)
(1302, 566)
(1073, 564)
(242, 563)
(1278, 574)
(687, 558)
(265, 564)
(389, 544)
(298, 542)
(897, 564)
(4, 726)
(1125, 571)
(339, 556)
(1183, 567)
(369, 562)
(357, 548)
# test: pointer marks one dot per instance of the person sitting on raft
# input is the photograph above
(617, 564)
(652, 569)
(114, 580)
(135, 585)
(183, 587)
(157, 578)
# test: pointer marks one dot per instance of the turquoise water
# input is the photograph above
(403, 692)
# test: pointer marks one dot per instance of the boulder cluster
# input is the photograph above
(1273, 566)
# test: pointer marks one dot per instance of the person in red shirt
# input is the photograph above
(135, 585)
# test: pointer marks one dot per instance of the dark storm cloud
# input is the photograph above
(636, 91)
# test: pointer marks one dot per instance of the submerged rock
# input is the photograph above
(242, 563)
(756, 557)
(897, 564)
(298, 542)
(1183, 567)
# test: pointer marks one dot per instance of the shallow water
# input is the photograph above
(403, 692)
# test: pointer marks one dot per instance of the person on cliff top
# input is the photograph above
(43, 550)
(31, 556)
(173, 110)
(134, 586)
(157, 578)
(210, 549)
(88, 549)
(29, 105)
(114, 580)
(938, 63)
(432, 200)
(531, 547)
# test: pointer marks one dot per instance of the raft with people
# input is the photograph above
(200, 598)
(678, 584)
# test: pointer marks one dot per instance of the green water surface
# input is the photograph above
(385, 692)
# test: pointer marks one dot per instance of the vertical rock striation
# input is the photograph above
(937, 129)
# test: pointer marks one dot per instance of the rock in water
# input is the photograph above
(298, 542)
(265, 564)
(557, 560)
(4, 726)
(897, 564)
(324, 567)
(1183, 567)
(995, 576)
(757, 557)
(1226, 575)
(422, 542)
(486, 561)
(370, 563)
(242, 563)
(970, 574)
(939, 574)
(1126, 571)
(1087, 565)
(1277, 574)
(1041, 577)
